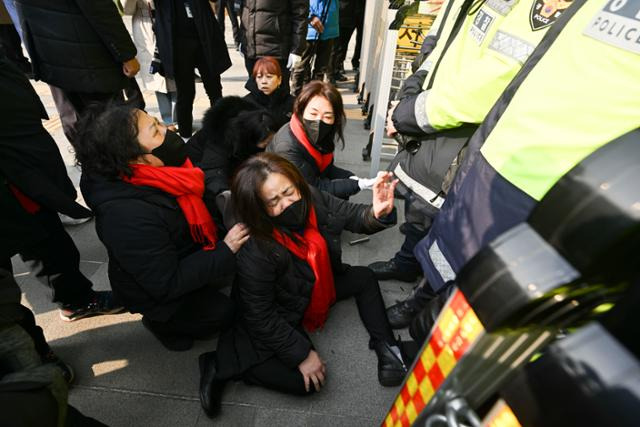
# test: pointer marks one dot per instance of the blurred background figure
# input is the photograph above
(82, 49)
(151, 76)
(189, 37)
(322, 32)
(10, 41)
(230, 7)
(262, 37)
(351, 19)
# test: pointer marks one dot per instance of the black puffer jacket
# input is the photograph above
(209, 34)
(153, 260)
(274, 27)
(273, 288)
(77, 45)
(333, 179)
(279, 104)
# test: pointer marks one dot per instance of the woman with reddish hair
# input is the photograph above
(266, 90)
(309, 140)
(289, 274)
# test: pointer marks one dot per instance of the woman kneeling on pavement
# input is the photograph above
(266, 90)
(289, 273)
(165, 258)
(308, 140)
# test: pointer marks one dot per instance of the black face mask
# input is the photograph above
(321, 135)
(172, 151)
(293, 217)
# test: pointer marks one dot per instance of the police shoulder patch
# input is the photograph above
(617, 24)
(545, 12)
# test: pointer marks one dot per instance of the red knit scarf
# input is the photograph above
(186, 183)
(322, 160)
(313, 249)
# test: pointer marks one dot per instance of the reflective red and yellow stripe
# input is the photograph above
(456, 329)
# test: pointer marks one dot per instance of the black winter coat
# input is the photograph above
(77, 45)
(209, 34)
(279, 103)
(274, 27)
(333, 179)
(153, 260)
(30, 160)
(273, 289)
(351, 12)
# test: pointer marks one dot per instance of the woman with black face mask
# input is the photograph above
(167, 258)
(308, 140)
(290, 272)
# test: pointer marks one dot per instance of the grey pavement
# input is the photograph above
(124, 377)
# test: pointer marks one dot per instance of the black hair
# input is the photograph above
(106, 140)
(246, 130)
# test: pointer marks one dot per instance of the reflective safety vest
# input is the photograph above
(579, 91)
(584, 92)
(488, 51)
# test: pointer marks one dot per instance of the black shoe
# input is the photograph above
(210, 388)
(171, 342)
(386, 270)
(391, 369)
(101, 303)
(66, 370)
(340, 77)
(401, 314)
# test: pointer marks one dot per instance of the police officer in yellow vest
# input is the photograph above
(578, 91)
(486, 45)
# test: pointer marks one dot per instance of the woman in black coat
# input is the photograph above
(266, 90)
(189, 37)
(233, 130)
(165, 260)
(308, 140)
(289, 273)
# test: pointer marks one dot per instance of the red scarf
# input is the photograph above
(313, 249)
(322, 160)
(186, 183)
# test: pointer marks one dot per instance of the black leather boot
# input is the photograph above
(391, 369)
(388, 270)
(211, 388)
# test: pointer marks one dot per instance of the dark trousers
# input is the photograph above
(355, 281)
(235, 25)
(415, 229)
(189, 55)
(342, 44)
(56, 262)
(71, 105)
(302, 73)
(249, 63)
(201, 314)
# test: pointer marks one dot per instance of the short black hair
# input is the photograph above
(107, 140)
(247, 129)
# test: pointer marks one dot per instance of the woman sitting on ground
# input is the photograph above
(165, 258)
(233, 130)
(266, 90)
(289, 274)
(308, 140)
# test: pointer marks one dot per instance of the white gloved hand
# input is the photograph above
(293, 60)
(364, 183)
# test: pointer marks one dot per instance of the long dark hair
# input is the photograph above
(106, 141)
(245, 191)
(327, 90)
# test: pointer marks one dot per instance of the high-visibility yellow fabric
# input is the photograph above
(583, 93)
(487, 53)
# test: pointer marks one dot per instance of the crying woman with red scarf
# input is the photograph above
(289, 275)
(167, 258)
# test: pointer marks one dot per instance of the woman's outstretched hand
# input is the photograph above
(313, 370)
(383, 189)
(236, 237)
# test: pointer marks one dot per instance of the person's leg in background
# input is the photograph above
(355, 59)
(323, 63)
(184, 65)
(219, 12)
(301, 72)
(340, 52)
(210, 79)
(235, 23)
(275, 375)
(166, 106)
